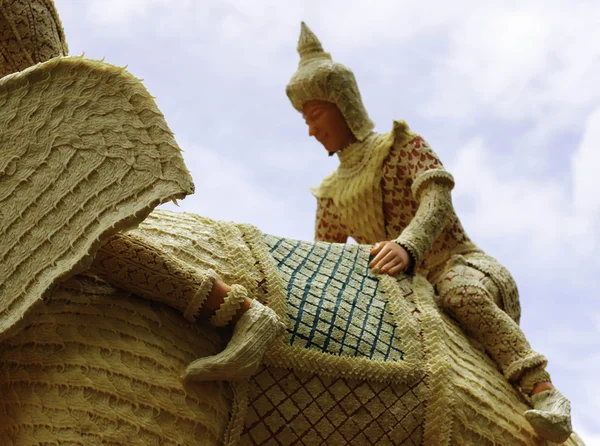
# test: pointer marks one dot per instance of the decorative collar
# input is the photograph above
(354, 156)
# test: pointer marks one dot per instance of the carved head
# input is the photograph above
(319, 78)
(327, 125)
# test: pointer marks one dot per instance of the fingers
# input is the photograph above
(382, 252)
(393, 263)
(400, 267)
(389, 258)
(378, 246)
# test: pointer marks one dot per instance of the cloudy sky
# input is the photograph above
(508, 96)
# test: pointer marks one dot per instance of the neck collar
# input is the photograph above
(354, 156)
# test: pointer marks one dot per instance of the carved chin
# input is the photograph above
(330, 150)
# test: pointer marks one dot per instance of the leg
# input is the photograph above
(137, 266)
(473, 299)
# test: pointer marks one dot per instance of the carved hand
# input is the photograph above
(390, 258)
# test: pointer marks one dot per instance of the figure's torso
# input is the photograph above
(373, 199)
(399, 205)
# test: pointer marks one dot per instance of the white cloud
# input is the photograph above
(504, 207)
(574, 354)
(515, 61)
(120, 12)
(558, 219)
(225, 189)
(589, 438)
(586, 172)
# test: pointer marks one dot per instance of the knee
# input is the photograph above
(463, 297)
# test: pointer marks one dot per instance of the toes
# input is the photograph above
(551, 427)
(534, 417)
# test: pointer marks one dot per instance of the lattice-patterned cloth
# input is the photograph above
(292, 407)
(334, 302)
(338, 311)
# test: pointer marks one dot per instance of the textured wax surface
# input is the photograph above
(106, 365)
(85, 153)
(333, 300)
(94, 365)
(30, 32)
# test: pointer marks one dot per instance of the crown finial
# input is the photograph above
(309, 46)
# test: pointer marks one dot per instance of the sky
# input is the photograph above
(506, 93)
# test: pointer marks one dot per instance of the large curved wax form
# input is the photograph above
(365, 359)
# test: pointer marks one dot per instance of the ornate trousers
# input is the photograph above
(473, 298)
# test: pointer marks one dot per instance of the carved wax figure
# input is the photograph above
(393, 187)
(87, 155)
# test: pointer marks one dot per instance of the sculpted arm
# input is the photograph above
(431, 186)
(138, 266)
(435, 205)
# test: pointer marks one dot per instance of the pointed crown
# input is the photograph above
(309, 46)
(320, 78)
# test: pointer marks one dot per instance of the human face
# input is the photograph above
(327, 124)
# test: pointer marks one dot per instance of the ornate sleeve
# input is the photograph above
(138, 266)
(431, 186)
(435, 206)
(328, 225)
